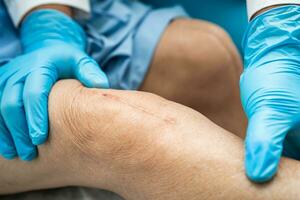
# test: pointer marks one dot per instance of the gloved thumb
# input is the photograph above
(264, 144)
(89, 73)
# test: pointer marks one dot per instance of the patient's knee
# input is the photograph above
(204, 50)
(116, 127)
(81, 114)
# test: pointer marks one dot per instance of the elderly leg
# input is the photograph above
(197, 64)
(142, 147)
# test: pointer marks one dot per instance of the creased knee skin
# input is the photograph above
(147, 147)
(121, 129)
(139, 141)
(95, 137)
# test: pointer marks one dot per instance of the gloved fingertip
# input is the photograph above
(38, 138)
(260, 176)
(91, 75)
(261, 162)
(29, 156)
(96, 81)
(101, 82)
(9, 155)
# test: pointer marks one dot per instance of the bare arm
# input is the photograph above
(142, 147)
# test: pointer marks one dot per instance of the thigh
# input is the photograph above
(197, 64)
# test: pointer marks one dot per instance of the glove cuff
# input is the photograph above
(271, 30)
(50, 27)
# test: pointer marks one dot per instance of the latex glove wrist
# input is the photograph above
(270, 90)
(44, 28)
(58, 38)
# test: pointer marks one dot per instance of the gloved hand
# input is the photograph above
(53, 47)
(270, 90)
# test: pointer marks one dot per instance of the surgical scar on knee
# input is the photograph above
(166, 119)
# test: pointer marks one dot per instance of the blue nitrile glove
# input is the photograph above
(53, 47)
(270, 90)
